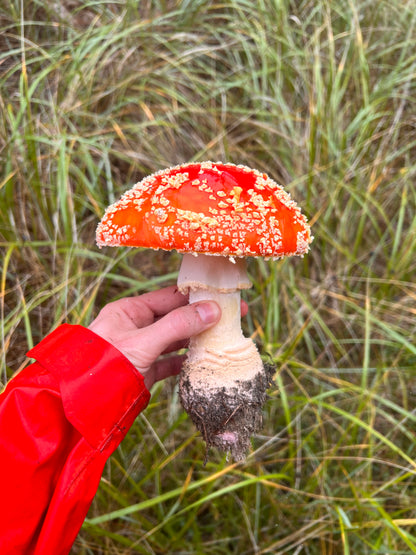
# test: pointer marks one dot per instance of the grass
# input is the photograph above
(320, 95)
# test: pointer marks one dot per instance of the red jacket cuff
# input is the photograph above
(101, 390)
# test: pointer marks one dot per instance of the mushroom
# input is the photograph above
(216, 214)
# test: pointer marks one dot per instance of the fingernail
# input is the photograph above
(209, 312)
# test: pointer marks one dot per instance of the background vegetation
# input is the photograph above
(322, 96)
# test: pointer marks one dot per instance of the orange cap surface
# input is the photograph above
(210, 208)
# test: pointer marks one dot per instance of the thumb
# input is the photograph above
(179, 324)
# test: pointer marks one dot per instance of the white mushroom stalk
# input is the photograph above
(223, 349)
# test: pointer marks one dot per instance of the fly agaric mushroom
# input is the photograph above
(216, 214)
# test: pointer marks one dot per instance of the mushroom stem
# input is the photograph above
(223, 383)
(223, 347)
(227, 332)
(222, 354)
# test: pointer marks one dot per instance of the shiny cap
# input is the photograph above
(210, 208)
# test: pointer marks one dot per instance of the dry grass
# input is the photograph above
(321, 96)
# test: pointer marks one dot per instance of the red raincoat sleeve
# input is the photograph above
(60, 420)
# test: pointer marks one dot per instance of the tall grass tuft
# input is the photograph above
(321, 96)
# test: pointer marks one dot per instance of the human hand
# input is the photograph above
(160, 322)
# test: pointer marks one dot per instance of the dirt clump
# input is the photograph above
(227, 416)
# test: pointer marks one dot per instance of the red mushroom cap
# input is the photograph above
(210, 208)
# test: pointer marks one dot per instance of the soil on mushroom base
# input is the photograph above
(227, 416)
